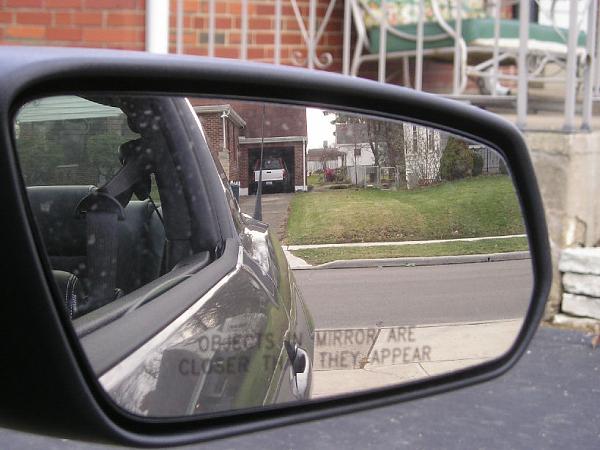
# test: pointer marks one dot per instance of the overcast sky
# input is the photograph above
(319, 128)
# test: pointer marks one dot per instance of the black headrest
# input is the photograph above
(63, 231)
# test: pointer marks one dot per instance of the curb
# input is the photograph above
(399, 243)
(417, 261)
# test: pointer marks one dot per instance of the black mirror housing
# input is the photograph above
(47, 385)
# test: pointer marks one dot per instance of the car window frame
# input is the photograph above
(106, 334)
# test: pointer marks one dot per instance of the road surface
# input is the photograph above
(339, 298)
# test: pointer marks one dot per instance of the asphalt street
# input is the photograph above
(549, 400)
(392, 296)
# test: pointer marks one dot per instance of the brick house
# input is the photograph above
(123, 24)
(285, 135)
(222, 126)
(235, 132)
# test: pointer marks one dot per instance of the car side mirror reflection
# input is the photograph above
(388, 252)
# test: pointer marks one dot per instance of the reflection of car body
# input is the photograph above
(203, 313)
(274, 173)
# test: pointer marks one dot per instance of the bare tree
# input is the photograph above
(385, 139)
(423, 154)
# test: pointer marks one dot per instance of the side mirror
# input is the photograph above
(418, 263)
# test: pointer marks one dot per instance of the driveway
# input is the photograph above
(274, 210)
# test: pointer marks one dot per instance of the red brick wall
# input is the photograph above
(243, 165)
(299, 164)
(121, 24)
(233, 135)
(212, 124)
(81, 23)
(213, 130)
(280, 120)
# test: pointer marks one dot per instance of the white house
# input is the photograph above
(321, 158)
(422, 153)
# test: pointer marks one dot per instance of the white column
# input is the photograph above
(523, 81)
(346, 34)
(571, 83)
(157, 26)
(590, 67)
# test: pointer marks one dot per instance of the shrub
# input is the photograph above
(329, 175)
(502, 167)
(340, 176)
(457, 160)
(477, 164)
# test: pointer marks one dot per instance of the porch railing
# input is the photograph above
(580, 65)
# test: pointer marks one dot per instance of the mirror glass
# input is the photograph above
(379, 253)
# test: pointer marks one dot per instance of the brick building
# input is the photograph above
(232, 129)
(122, 24)
(235, 132)
(285, 135)
(222, 126)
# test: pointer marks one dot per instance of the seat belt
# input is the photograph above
(103, 208)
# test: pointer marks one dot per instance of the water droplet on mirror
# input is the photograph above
(46, 206)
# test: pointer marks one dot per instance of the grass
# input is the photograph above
(315, 179)
(474, 207)
(323, 255)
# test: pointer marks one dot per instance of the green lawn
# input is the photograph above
(316, 179)
(474, 207)
(323, 255)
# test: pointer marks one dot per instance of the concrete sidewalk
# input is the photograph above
(297, 263)
(350, 360)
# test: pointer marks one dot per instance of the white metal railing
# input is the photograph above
(577, 67)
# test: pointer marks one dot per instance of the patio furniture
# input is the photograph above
(473, 34)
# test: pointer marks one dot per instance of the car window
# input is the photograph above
(270, 164)
(110, 211)
(69, 140)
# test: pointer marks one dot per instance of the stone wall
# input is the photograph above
(580, 269)
(567, 167)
